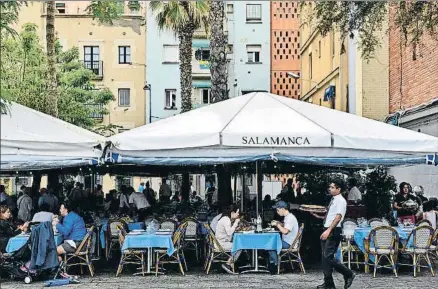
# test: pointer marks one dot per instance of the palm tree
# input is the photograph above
(182, 18)
(52, 102)
(218, 59)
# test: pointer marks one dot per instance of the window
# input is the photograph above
(310, 66)
(60, 8)
(202, 54)
(253, 12)
(230, 8)
(230, 49)
(91, 59)
(171, 53)
(253, 52)
(205, 95)
(170, 101)
(124, 54)
(124, 97)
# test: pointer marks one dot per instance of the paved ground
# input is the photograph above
(218, 280)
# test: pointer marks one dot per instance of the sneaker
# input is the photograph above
(326, 286)
(228, 269)
(349, 281)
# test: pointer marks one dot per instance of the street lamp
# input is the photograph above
(293, 75)
(149, 87)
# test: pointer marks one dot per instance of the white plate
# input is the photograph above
(135, 233)
(138, 230)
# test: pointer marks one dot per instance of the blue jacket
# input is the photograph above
(43, 245)
(72, 227)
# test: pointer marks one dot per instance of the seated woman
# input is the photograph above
(72, 228)
(224, 233)
(6, 228)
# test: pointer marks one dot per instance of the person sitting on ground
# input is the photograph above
(44, 215)
(288, 230)
(6, 228)
(24, 204)
(72, 228)
(224, 234)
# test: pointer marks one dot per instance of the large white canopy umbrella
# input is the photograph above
(260, 126)
(34, 140)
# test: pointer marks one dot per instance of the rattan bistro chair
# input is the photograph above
(382, 242)
(168, 224)
(293, 253)
(161, 254)
(129, 256)
(421, 239)
(81, 257)
(215, 252)
(348, 246)
(112, 235)
(375, 222)
(433, 249)
(190, 238)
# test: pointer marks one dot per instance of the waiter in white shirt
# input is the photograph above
(331, 238)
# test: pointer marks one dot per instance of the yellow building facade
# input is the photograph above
(334, 74)
(115, 53)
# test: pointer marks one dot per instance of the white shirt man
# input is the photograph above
(354, 194)
(338, 206)
(139, 200)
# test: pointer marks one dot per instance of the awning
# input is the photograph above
(329, 93)
(201, 83)
(200, 43)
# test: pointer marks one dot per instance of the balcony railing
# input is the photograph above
(95, 66)
(97, 107)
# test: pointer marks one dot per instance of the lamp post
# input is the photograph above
(149, 87)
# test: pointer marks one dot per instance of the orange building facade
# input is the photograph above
(285, 48)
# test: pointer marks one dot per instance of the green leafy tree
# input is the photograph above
(378, 186)
(9, 15)
(413, 18)
(106, 11)
(24, 73)
(182, 18)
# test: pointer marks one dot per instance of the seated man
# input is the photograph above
(288, 230)
(72, 228)
(44, 215)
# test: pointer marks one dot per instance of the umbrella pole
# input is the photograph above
(242, 192)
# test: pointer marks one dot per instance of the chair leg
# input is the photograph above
(301, 264)
(429, 263)
(157, 264)
(393, 264)
(415, 264)
(278, 264)
(142, 264)
(376, 263)
(184, 259)
(180, 264)
(209, 263)
(196, 252)
(90, 265)
(120, 269)
(366, 261)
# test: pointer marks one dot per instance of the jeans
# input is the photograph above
(273, 257)
(329, 261)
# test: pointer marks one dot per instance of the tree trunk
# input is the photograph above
(185, 66)
(52, 100)
(218, 56)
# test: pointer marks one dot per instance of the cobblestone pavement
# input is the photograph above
(218, 280)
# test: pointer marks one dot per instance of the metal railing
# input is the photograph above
(96, 114)
(95, 66)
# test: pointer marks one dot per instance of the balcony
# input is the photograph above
(95, 66)
(96, 111)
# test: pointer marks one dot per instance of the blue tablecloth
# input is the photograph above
(144, 241)
(104, 228)
(262, 241)
(17, 242)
